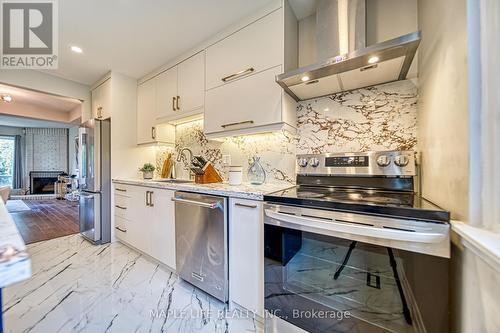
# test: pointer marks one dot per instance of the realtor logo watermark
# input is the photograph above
(29, 34)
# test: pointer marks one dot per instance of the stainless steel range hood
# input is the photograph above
(358, 67)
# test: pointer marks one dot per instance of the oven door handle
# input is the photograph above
(355, 229)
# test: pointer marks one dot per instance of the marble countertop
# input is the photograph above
(244, 191)
(15, 264)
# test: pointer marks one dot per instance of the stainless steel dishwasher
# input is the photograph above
(201, 241)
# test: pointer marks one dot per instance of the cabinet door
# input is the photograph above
(166, 94)
(246, 254)
(146, 112)
(256, 47)
(162, 228)
(140, 219)
(250, 102)
(191, 83)
(101, 101)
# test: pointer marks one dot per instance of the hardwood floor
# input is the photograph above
(47, 219)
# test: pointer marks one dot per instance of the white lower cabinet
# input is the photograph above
(162, 229)
(145, 219)
(246, 254)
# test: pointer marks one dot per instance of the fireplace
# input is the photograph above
(42, 182)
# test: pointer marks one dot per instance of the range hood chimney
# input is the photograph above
(340, 27)
(343, 60)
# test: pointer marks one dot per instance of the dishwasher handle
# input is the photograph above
(210, 205)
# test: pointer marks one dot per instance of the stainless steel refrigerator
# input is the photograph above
(95, 180)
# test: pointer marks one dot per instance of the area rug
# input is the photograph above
(14, 206)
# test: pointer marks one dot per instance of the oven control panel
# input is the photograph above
(373, 163)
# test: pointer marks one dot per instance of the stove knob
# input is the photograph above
(383, 160)
(314, 162)
(302, 162)
(401, 160)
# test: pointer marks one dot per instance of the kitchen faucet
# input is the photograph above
(179, 159)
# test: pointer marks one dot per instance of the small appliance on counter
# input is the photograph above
(354, 241)
(95, 180)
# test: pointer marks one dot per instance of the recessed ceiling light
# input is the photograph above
(76, 49)
(305, 78)
(7, 98)
(373, 60)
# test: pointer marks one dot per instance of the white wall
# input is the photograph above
(44, 82)
(442, 107)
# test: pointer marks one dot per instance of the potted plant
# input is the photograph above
(147, 170)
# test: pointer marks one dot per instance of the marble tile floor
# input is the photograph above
(78, 287)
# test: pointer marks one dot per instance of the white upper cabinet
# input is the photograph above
(166, 94)
(191, 84)
(254, 48)
(242, 95)
(147, 130)
(180, 90)
(146, 95)
(101, 100)
(236, 106)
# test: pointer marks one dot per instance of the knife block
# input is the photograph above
(210, 175)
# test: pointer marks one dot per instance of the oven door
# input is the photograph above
(328, 271)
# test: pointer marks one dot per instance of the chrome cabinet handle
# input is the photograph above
(238, 74)
(120, 229)
(239, 123)
(173, 103)
(245, 205)
(153, 133)
(177, 102)
(120, 190)
(197, 203)
(120, 207)
(147, 198)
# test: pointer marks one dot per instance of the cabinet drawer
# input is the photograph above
(121, 190)
(121, 226)
(121, 206)
(250, 50)
(254, 101)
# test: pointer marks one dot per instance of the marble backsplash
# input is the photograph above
(382, 117)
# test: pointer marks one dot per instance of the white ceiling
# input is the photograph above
(13, 121)
(38, 99)
(134, 37)
(303, 8)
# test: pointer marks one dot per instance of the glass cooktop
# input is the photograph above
(393, 203)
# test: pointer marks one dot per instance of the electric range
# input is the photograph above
(355, 242)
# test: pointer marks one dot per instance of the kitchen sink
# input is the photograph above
(175, 181)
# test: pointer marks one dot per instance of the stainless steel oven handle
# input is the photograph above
(212, 205)
(355, 229)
